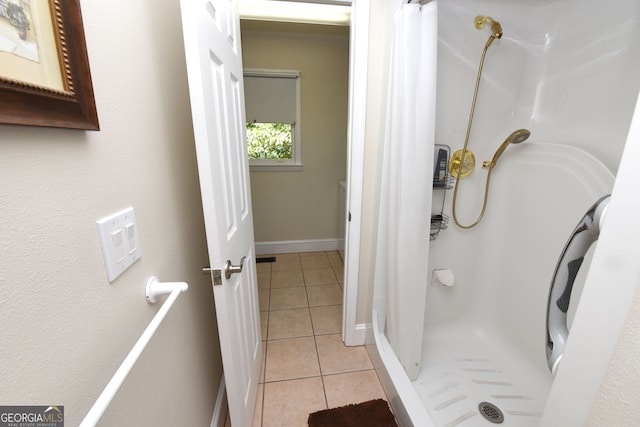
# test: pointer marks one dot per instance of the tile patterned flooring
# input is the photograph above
(306, 367)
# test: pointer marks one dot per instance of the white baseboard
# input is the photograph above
(221, 409)
(293, 246)
(358, 335)
(362, 330)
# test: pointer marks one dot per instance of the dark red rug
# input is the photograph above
(374, 413)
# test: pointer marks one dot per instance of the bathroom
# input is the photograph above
(70, 328)
(552, 74)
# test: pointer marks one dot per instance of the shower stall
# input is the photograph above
(568, 71)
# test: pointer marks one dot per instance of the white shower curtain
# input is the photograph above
(406, 182)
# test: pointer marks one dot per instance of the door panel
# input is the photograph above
(214, 69)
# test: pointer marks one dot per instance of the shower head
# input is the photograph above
(496, 28)
(516, 137)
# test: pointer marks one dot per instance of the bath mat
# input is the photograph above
(374, 413)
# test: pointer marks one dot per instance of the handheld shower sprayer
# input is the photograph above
(516, 137)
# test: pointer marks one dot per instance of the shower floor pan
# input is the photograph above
(465, 372)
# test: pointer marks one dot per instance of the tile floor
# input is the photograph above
(306, 367)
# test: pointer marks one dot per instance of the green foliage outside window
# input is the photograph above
(269, 140)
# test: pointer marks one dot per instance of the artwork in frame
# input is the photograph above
(44, 68)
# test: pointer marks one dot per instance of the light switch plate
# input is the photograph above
(120, 242)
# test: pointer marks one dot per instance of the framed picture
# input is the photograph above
(44, 68)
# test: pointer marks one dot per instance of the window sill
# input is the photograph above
(275, 167)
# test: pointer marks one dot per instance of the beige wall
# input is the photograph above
(303, 205)
(64, 329)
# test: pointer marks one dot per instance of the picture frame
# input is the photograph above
(50, 42)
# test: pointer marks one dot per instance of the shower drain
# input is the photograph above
(491, 412)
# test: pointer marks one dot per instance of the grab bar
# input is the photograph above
(153, 289)
(583, 236)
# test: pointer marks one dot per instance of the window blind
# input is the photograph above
(270, 98)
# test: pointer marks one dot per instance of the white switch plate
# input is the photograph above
(120, 242)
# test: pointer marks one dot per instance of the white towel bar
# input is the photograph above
(153, 289)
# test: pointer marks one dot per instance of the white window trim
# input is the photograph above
(295, 163)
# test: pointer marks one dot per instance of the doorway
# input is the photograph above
(297, 210)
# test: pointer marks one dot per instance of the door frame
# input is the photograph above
(352, 332)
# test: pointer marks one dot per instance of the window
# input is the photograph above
(272, 102)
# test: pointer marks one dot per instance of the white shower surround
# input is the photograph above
(567, 71)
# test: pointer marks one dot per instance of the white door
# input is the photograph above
(214, 68)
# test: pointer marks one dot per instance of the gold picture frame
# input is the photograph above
(45, 78)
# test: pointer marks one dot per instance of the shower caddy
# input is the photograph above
(442, 181)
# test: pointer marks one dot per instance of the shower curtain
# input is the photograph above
(406, 182)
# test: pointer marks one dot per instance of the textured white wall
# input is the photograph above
(618, 398)
(64, 328)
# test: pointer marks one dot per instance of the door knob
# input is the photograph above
(230, 269)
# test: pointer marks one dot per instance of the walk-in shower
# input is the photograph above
(570, 90)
